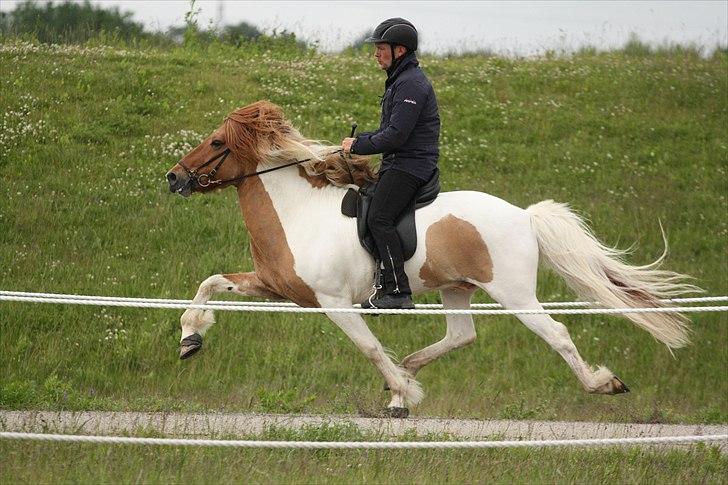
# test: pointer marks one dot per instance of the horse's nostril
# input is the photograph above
(171, 178)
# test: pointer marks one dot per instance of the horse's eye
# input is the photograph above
(216, 144)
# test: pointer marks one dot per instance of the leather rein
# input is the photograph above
(206, 179)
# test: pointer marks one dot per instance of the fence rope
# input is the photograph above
(548, 304)
(363, 444)
(426, 311)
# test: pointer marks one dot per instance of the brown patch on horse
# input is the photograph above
(455, 251)
(273, 259)
(250, 285)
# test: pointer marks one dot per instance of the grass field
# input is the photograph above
(88, 133)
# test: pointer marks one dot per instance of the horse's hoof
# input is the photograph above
(397, 412)
(190, 345)
(613, 386)
(618, 387)
(386, 386)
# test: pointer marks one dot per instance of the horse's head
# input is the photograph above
(232, 151)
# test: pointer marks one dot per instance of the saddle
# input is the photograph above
(356, 203)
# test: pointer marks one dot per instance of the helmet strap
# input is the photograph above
(395, 62)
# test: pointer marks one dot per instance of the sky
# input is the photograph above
(520, 28)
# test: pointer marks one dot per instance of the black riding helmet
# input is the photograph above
(395, 31)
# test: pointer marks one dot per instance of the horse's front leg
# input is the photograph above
(405, 389)
(195, 321)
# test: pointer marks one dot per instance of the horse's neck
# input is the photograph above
(277, 200)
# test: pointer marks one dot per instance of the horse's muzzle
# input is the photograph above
(179, 183)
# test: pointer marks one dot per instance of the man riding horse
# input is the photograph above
(290, 191)
(408, 138)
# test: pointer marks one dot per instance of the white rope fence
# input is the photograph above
(259, 307)
(352, 445)
(548, 304)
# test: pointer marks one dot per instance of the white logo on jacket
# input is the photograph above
(410, 101)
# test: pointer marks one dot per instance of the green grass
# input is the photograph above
(26, 462)
(34, 463)
(87, 135)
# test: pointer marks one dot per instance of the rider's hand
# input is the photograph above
(346, 144)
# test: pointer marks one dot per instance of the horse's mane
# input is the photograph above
(260, 133)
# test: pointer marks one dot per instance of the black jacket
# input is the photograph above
(409, 132)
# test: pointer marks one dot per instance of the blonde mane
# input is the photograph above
(260, 133)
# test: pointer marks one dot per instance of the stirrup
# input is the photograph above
(376, 287)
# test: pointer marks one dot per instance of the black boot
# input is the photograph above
(391, 302)
(397, 293)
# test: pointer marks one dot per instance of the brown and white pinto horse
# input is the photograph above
(305, 251)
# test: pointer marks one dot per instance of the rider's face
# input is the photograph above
(383, 54)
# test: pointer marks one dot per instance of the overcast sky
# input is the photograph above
(507, 27)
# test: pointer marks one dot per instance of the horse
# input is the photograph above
(304, 250)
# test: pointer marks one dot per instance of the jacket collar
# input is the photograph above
(402, 64)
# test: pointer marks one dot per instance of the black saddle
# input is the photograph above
(356, 203)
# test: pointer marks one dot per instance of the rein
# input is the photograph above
(205, 179)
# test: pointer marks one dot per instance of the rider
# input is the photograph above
(408, 138)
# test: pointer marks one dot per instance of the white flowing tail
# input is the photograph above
(596, 272)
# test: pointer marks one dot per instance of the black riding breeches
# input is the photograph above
(395, 192)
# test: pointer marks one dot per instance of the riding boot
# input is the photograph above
(397, 292)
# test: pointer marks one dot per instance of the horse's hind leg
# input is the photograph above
(460, 330)
(599, 381)
(195, 321)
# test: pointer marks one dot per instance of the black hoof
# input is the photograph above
(622, 387)
(190, 345)
(397, 412)
(386, 387)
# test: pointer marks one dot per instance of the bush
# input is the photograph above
(69, 22)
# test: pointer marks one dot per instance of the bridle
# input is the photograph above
(206, 179)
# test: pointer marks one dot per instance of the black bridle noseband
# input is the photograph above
(206, 179)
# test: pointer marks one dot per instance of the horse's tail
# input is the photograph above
(596, 272)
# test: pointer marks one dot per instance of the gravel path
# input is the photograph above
(201, 425)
